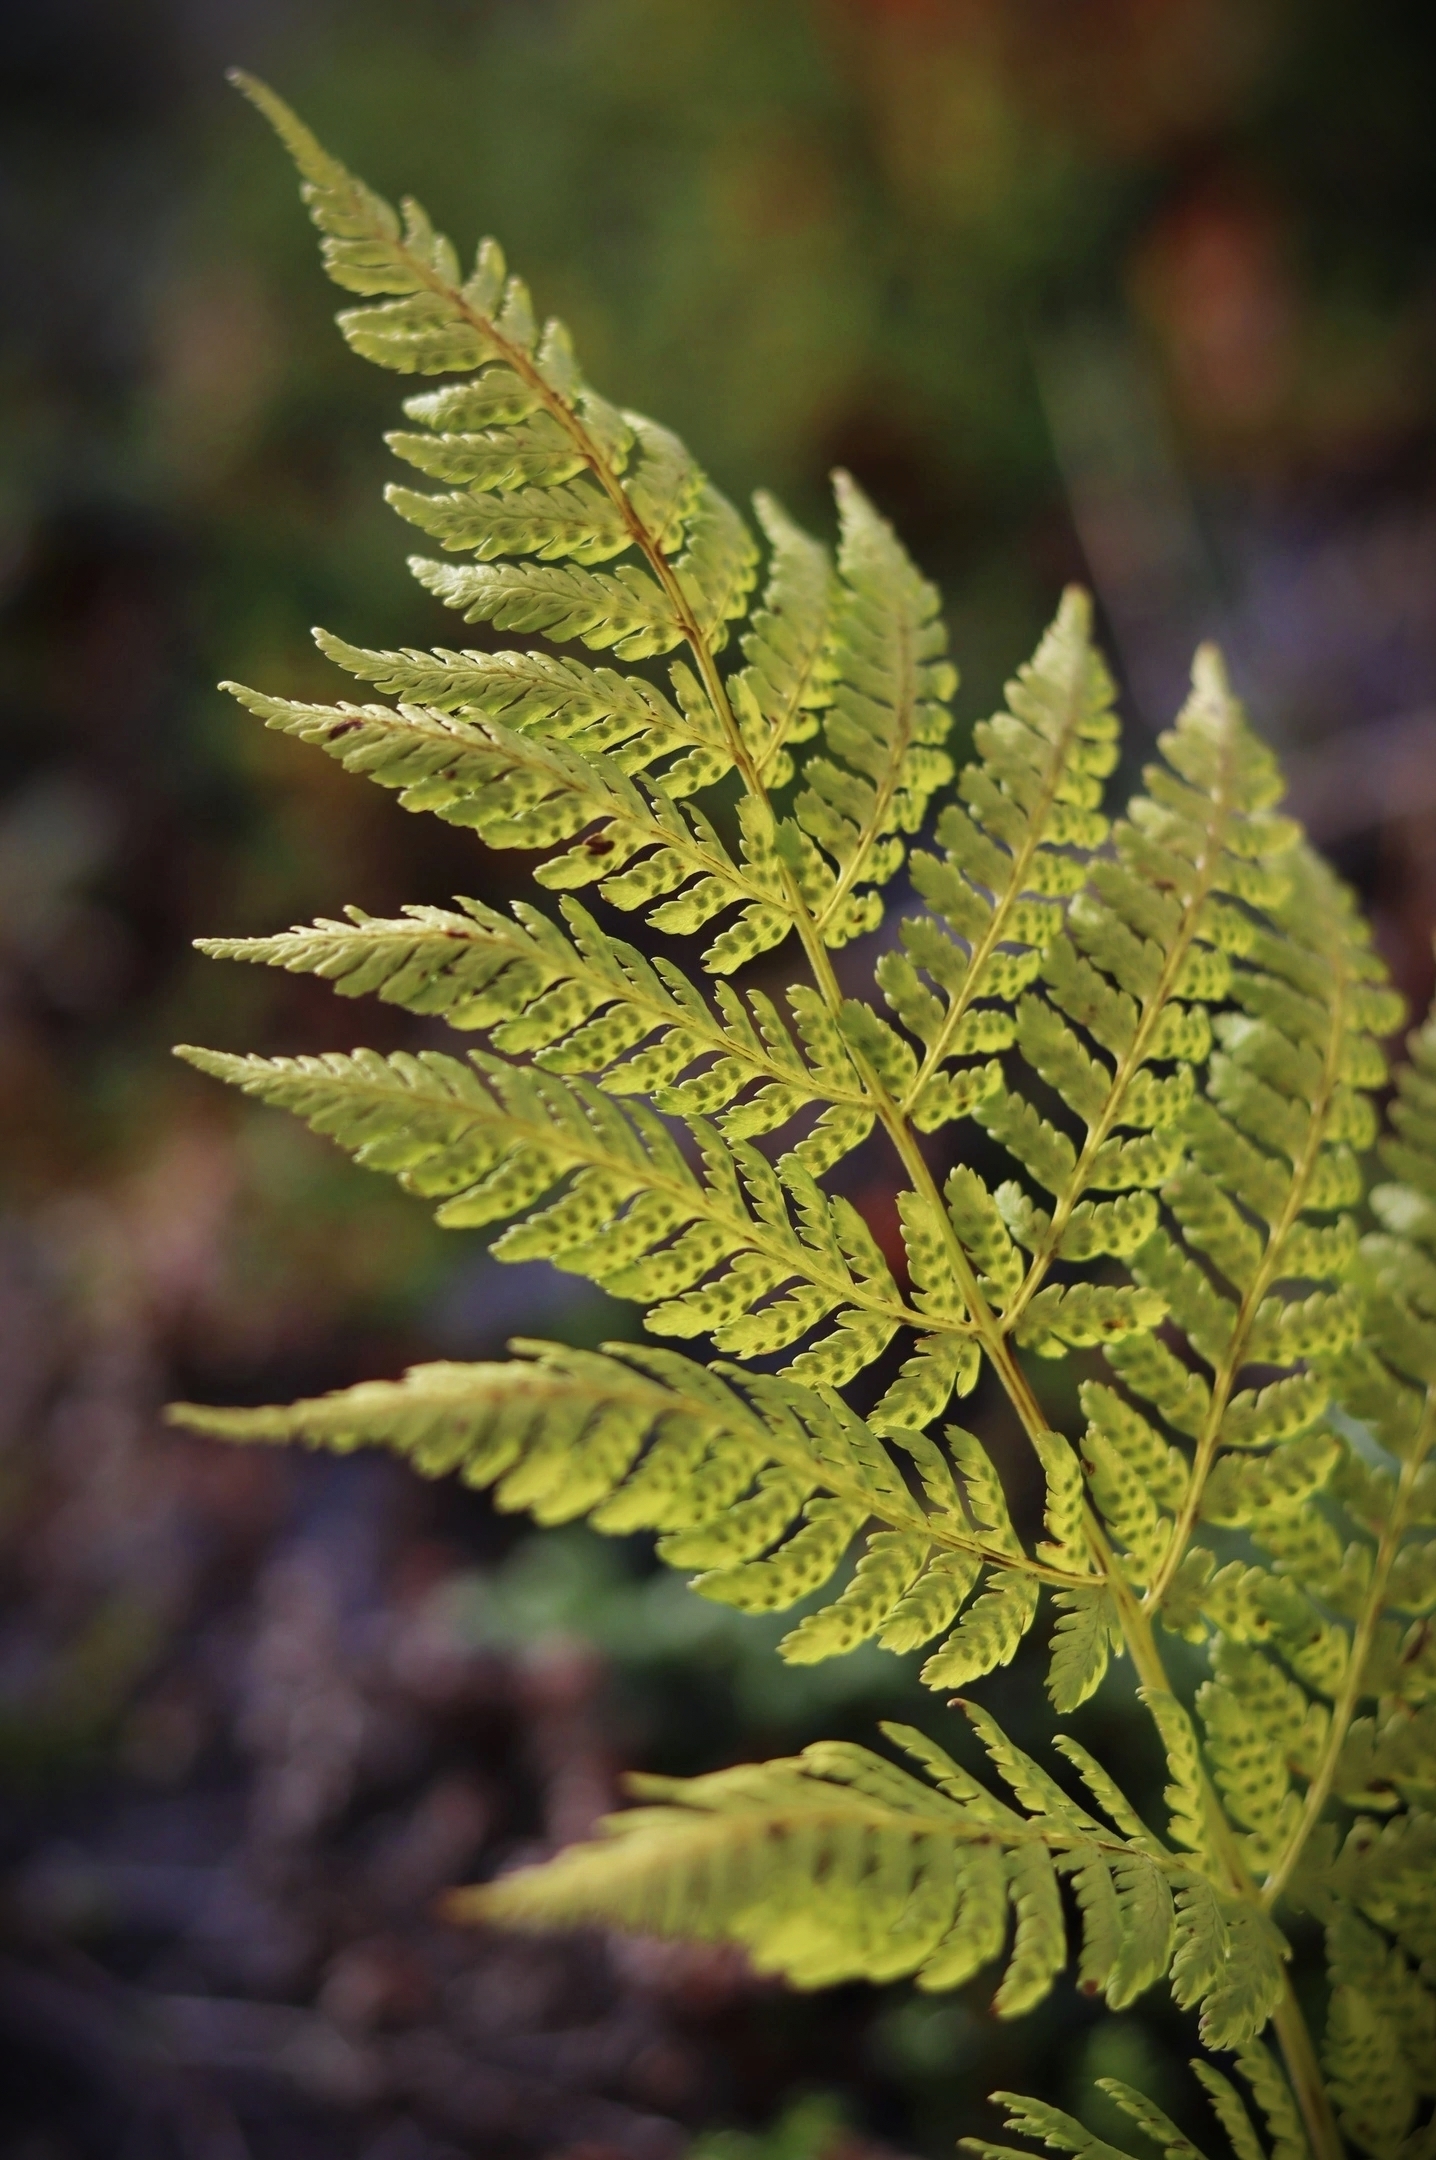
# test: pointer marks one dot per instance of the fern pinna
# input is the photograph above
(1167, 1025)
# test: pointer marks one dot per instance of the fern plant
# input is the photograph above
(1167, 1026)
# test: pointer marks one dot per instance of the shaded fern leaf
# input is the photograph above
(1379, 2046)
(1273, 2096)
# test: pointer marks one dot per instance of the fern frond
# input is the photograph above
(490, 1140)
(1140, 956)
(1273, 2096)
(640, 848)
(1254, 1276)
(1008, 857)
(787, 681)
(1172, 1029)
(587, 1003)
(1057, 2131)
(1380, 2042)
(555, 699)
(1370, 1565)
(765, 1485)
(1381, 1871)
(886, 717)
(833, 1865)
(1367, 2078)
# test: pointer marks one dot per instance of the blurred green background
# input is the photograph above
(1141, 292)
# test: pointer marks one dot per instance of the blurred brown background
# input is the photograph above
(1137, 291)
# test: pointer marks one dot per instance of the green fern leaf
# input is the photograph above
(1231, 2113)
(886, 719)
(915, 1878)
(587, 1003)
(1170, 1028)
(1051, 2128)
(1087, 1635)
(1369, 2081)
(786, 683)
(490, 1140)
(994, 892)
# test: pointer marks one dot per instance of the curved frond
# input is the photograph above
(582, 1002)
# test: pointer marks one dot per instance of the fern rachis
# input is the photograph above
(1169, 1025)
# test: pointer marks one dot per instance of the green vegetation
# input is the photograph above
(1159, 1037)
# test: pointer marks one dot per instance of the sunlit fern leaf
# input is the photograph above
(1087, 1635)
(762, 1483)
(640, 849)
(1057, 2131)
(886, 687)
(1032, 798)
(1260, 1727)
(1387, 1379)
(1357, 1574)
(777, 697)
(1120, 1019)
(833, 1866)
(1251, 1981)
(491, 1141)
(1388, 1757)
(1186, 1793)
(1381, 1870)
(1255, 1274)
(1170, 1028)
(556, 481)
(588, 1003)
(559, 699)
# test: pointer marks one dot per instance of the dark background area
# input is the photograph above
(1137, 291)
